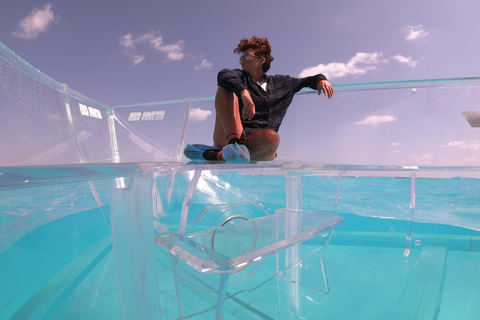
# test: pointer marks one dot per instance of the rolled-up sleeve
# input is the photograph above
(231, 80)
(307, 82)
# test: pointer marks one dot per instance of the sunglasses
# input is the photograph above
(246, 56)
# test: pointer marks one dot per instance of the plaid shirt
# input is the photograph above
(271, 105)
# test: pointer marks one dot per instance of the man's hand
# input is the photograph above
(326, 87)
(248, 106)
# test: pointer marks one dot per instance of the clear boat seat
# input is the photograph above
(232, 252)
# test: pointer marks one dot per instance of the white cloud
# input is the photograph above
(416, 32)
(127, 41)
(138, 58)
(153, 40)
(361, 63)
(173, 51)
(376, 120)
(37, 22)
(406, 60)
(472, 146)
(197, 114)
(205, 64)
(454, 144)
(424, 158)
(394, 144)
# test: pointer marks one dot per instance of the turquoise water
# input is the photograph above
(386, 261)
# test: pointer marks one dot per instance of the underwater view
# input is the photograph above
(385, 260)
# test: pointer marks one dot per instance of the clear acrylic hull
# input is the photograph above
(88, 191)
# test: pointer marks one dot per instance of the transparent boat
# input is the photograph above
(377, 217)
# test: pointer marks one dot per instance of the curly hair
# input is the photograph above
(261, 46)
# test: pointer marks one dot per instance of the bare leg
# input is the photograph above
(227, 119)
(262, 144)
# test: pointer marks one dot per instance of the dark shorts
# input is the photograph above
(248, 131)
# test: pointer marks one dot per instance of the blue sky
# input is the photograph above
(142, 51)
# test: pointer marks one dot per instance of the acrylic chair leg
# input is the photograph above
(222, 291)
(175, 268)
(322, 262)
